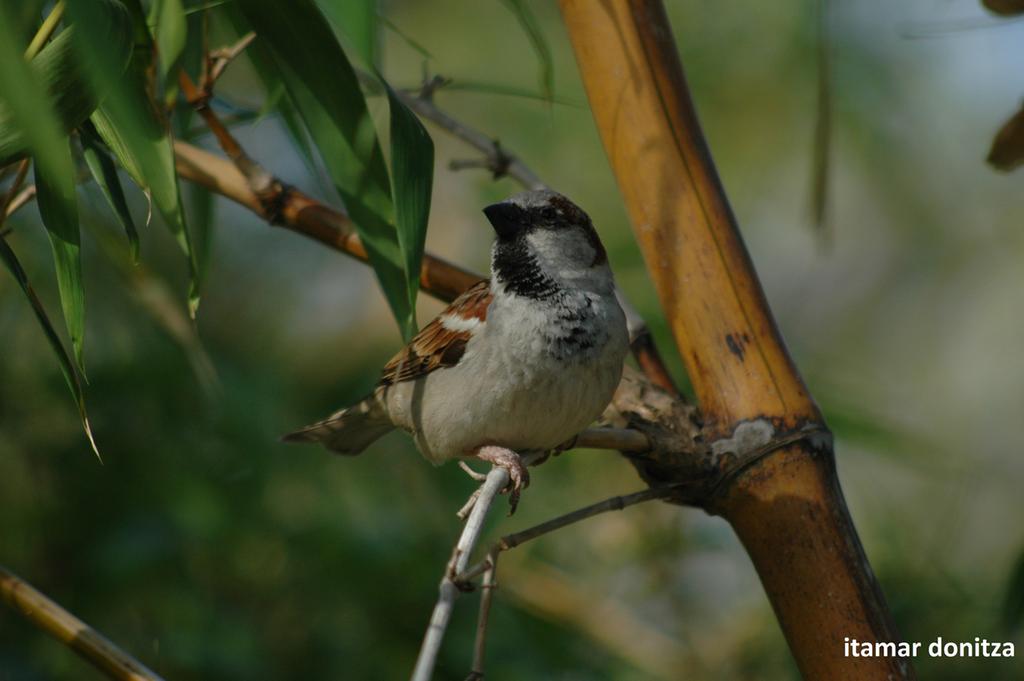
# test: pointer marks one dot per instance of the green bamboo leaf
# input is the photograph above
(280, 101)
(130, 123)
(105, 173)
(66, 366)
(276, 96)
(529, 23)
(202, 207)
(170, 28)
(27, 116)
(192, 57)
(27, 122)
(24, 19)
(357, 21)
(58, 208)
(299, 44)
(412, 171)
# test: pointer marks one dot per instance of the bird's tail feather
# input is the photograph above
(348, 431)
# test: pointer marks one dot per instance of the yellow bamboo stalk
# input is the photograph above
(785, 505)
(71, 631)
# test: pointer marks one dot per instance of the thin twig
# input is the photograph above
(261, 182)
(218, 60)
(497, 480)
(642, 345)
(487, 587)
(479, 477)
(511, 541)
(500, 161)
(73, 632)
(23, 197)
(463, 512)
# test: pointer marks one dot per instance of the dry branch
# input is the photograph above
(71, 631)
(294, 210)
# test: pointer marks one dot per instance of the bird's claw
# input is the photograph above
(519, 479)
(519, 476)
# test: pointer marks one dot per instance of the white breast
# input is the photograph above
(518, 385)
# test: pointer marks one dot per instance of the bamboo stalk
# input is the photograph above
(73, 632)
(784, 504)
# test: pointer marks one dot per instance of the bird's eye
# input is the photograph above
(549, 214)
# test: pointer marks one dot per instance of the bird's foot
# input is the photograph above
(519, 477)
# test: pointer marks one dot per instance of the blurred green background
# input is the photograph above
(212, 552)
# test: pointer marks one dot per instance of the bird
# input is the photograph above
(521, 362)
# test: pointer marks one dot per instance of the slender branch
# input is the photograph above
(71, 631)
(487, 587)
(463, 512)
(616, 503)
(497, 479)
(642, 345)
(218, 60)
(510, 541)
(22, 198)
(500, 161)
(261, 182)
(479, 477)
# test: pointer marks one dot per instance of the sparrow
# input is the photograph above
(522, 362)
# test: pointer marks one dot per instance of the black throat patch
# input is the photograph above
(517, 269)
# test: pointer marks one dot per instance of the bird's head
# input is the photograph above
(545, 243)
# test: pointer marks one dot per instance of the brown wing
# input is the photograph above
(437, 345)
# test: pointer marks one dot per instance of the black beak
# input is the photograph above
(505, 218)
